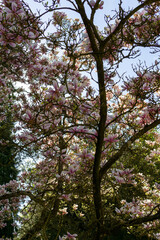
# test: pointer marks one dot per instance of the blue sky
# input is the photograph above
(109, 6)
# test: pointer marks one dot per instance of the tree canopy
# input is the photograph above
(91, 133)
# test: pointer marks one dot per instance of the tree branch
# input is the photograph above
(140, 220)
(44, 218)
(88, 25)
(23, 193)
(123, 21)
(114, 158)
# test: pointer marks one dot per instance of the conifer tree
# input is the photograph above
(8, 170)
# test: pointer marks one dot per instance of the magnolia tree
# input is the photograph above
(95, 132)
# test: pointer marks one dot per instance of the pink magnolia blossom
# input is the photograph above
(12, 44)
(14, 6)
(31, 35)
(92, 2)
(68, 236)
(101, 5)
(75, 206)
(63, 211)
(65, 197)
(111, 138)
(71, 236)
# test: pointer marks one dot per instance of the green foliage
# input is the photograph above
(8, 170)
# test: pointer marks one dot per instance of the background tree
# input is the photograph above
(8, 166)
